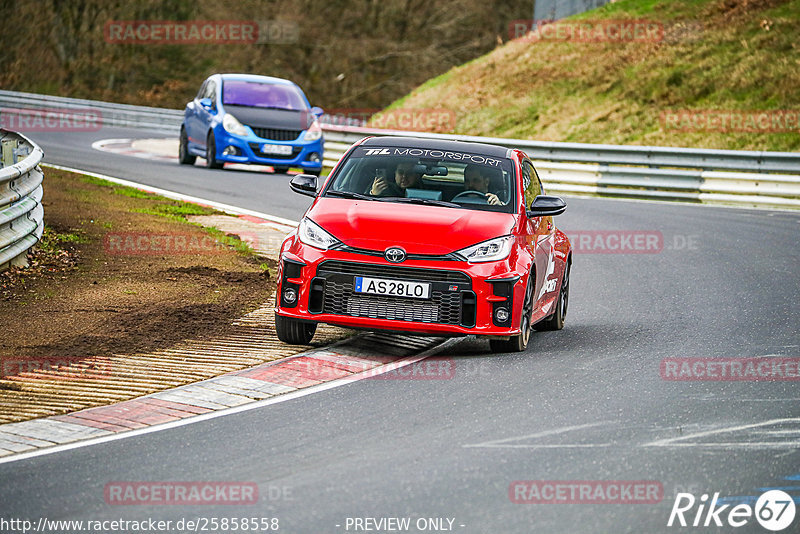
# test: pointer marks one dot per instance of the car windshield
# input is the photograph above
(262, 95)
(423, 176)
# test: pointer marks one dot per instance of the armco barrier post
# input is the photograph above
(21, 212)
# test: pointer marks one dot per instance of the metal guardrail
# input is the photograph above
(21, 212)
(652, 156)
(106, 113)
(743, 178)
(732, 177)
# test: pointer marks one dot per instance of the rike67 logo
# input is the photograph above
(774, 510)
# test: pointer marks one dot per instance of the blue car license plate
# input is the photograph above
(281, 150)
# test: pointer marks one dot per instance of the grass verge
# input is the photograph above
(122, 270)
(713, 56)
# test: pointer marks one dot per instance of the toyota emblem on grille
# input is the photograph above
(395, 255)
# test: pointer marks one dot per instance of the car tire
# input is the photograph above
(519, 342)
(293, 331)
(556, 321)
(184, 158)
(211, 152)
(315, 173)
(280, 170)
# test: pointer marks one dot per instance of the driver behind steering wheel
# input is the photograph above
(476, 180)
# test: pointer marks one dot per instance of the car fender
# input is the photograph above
(525, 268)
(562, 255)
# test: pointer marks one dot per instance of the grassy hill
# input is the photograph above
(724, 57)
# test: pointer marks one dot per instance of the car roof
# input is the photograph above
(439, 144)
(256, 78)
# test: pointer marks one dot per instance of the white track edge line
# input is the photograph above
(227, 208)
(369, 373)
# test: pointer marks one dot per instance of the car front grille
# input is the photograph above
(275, 134)
(451, 301)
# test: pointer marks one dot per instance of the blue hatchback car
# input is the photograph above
(246, 118)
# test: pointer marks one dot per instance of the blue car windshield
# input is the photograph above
(262, 95)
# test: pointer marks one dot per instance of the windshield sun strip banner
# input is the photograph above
(465, 157)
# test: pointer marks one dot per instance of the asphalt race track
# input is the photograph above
(245, 189)
(584, 404)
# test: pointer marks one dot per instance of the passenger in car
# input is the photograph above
(476, 178)
(404, 177)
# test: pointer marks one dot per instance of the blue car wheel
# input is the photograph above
(183, 150)
(211, 152)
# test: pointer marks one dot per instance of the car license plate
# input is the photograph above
(283, 150)
(392, 288)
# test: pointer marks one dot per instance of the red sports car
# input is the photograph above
(426, 237)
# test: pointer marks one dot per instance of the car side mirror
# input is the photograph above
(207, 104)
(316, 110)
(305, 184)
(546, 206)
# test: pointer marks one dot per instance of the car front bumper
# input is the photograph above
(249, 151)
(464, 299)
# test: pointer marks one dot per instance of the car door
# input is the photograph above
(199, 121)
(541, 232)
(192, 120)
(206, 116)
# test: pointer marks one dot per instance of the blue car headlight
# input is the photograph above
(314, 132)
(233, 126)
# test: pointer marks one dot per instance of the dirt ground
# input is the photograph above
(121, 271)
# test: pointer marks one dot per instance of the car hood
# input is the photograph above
(271, 118)
(418, 229)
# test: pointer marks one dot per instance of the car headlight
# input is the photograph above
(233, 126)
(312, 234)
(491, 250)
(314, 132)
